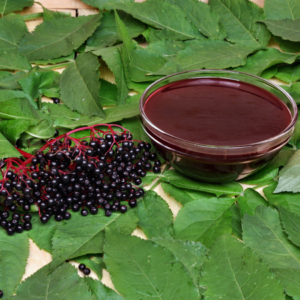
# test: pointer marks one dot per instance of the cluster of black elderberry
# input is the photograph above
(86, 271)
(103, 173)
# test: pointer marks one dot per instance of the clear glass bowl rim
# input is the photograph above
(291, 125)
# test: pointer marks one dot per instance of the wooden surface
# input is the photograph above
(38, 258)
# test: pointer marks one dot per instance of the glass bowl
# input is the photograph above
(211, 163)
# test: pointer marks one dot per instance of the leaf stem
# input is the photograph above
(160, 178)
(40, 102)
(58, 66)
(32, 16)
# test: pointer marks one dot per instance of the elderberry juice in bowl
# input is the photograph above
(217, 125)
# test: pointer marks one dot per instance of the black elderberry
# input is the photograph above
(156, 169)
(108, 213)
(93, 210)
(10, 231)
(86, 271)
(123, 208)
(67, 216)
(132, 203)
(59, 218)
(137, 181)
(114, 208)
(75, 207)
(5, 215)
(84, 212)
(81, 267)
(27, 217)
(55, 100)
(147, 166)
(27, 226)
(3, 223)
(19, 228)
(44, 219)
(16, 216)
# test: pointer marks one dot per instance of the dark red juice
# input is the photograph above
(217, 112)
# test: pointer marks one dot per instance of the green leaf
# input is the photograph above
(43, 130)
(93, 262)
(69, 58)
(7, 6)
(264, 59)
(235, 272)
(107, 34)
(13, 62)
(262, 176)
(41, 233)
(80, 236)
(270, 72)
(113, 115)
(100, 291)
(11, 34)
(49, 15)
(10, 80)
(290, 279)
(14, 252)
(289, 201)
(287, 46)
(105, 4)
(288, 74)
(286, 29)
(156, 218)
(264, 234)
(153, 271)
(192, 255)
(80, 85)
(12, 129)
(112, 58)
(282, 9)
(134, 125)
(10, 94)
(239, 18)
(58, 37)
(281, 158)
(249, 201)
(207, 54)
(18, 108)
(59, 112)
(36, 81)
(175, 178)
(296, 135)
(203, 17)
(63, 283)
(172, 19)
(291, 224)
(204, 220)
(183, 195)
(108, 93)
(236, 222)
(289, 175)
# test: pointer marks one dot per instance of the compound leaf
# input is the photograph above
(234, 271)
(156, 218)
(204, 220)
(14, 252)
(153, 271)
(58, 37)
(239, 18)
(80, 85)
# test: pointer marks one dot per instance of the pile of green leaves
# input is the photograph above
(225, 243)
(180, 35)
